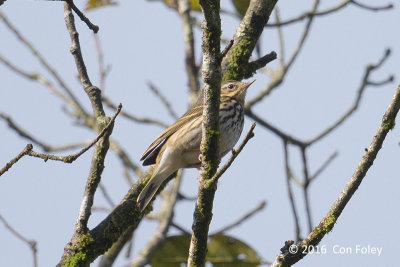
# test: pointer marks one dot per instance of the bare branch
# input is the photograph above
(323, 167)
(281, 73)
(370, 8)
(163, 99)
(45, 147)
(124, 157)
(235, 153)
(106, 196)
(245, 217)
(326, 12)
(306, 180)
(165, 216)
(24, 152)
(82, 16)
(290, 192)
(45, 64)
(209, 147)
(285, 258)
(365, 82)
(108, 103)
(235, 65)
(192, 69)
(73, 157)
(31, 243)
(103, 71)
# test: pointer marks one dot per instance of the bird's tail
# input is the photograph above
(151, 188)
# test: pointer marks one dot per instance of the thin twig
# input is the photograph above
(31, 243)
(365, 82)
(235, 153)
(281, 39)
(75, 103)
(103, 71)
(370, 8)
(285, 258)
(109, 104)
(24, 152)
(323, 166)
(165, 215)
(180, 228)
(67, 159)
(124, 157)
(73, 157)
(306, 183)
(326, 12)
(288, 138)
(82, 16)
(192, 69)
(281, 73)
(245, 217)
(163, 99)
(106, 196)
(290, 192)
(47, 148)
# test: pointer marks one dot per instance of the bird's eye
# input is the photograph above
(230, 86)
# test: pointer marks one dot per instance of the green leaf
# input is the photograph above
(93, 4)
(223, 251)
(241, 6)
(172, 253)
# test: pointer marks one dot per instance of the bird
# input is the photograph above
(178, 146)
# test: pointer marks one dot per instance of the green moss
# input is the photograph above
(389, 125)
(85, 240)
(328, 223)
(238, 59)
(79, 259)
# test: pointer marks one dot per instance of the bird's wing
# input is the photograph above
(151, 153)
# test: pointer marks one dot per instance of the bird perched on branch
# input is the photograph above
(179, 145)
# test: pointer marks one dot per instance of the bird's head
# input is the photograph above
(235, 89)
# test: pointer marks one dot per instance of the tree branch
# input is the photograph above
(236, 66)
(31, 243)
(209, 147)
(82, 16)
(285, 258)
(192, 69)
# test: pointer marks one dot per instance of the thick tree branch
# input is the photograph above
(281, 73)
(236, 66)
(209, 147)
(165, 215)
(75, 250)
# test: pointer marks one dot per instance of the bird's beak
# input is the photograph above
(247, 85)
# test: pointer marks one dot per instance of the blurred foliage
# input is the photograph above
(93, 4)
(223, 251)
(241, 6)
